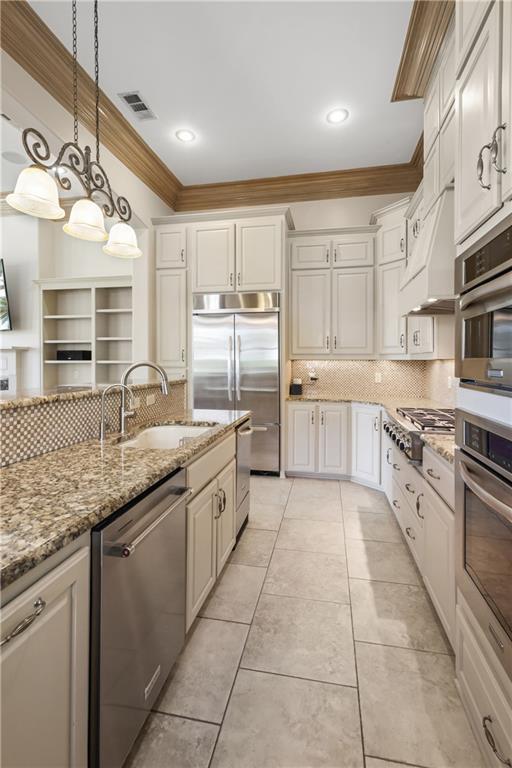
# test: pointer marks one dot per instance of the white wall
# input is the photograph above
(340, 212)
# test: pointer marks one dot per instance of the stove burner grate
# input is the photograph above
(430, 419)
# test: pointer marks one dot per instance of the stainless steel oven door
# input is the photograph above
(484, 550)
(483, 337)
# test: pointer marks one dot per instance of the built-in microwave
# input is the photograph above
(483, 327)
(483, 517)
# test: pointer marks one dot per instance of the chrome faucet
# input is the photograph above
(123, 387)
(124, 378)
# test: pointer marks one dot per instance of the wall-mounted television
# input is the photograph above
(5, 314)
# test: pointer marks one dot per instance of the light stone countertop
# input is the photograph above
(49, 501)
(443, 445)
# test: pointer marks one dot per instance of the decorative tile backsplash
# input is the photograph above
(31, 430)
(356, 379)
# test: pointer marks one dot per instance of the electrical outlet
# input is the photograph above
(378, 377)
(150, 399)
(136, 402)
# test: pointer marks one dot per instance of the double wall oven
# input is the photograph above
(483, 500)
(483, 277)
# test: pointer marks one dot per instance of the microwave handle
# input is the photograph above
(502, 509)
(500, 284)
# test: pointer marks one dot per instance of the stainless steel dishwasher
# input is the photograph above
(137, 614)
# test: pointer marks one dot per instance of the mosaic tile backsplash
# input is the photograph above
(31, 430)
(355, 379)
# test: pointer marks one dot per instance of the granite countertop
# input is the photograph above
(50, 500)
(444, 445)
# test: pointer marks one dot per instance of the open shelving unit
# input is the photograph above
(95, 316)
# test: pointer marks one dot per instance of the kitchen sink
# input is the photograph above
(165, 437)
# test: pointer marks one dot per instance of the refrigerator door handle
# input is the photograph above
(230, 368)
(237, 374)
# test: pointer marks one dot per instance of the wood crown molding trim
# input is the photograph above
(428, 25)
(27, 39)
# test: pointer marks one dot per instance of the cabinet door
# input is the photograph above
(392, 238)
(469, 17)
(212, 252)
(171, 317)
(392, 326)
(226, 522)
(45, 670)
(201, 548)
(447, 151)
(170, 246)
(311, 253)
(431, 177)
(431, 116)
(353, 250)
(505, 135)
(352, 311)
(420, 333)
(439, 557)
(366, 443)
(333, 439)
(386, 466)
(259, 255)
(477, 106)
(301, 437)
(310, 312)
(447, 78)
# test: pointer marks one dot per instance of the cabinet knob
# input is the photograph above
(182, 254)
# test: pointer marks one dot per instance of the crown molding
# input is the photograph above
(27, 39)
(428, 25)
(230, 213)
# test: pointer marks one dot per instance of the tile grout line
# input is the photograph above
(247, 637)
(352, 628)
(398, 762)
(404, 648)
(299, 677)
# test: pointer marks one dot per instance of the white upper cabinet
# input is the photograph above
(212, 254)
(352, 311)
(366, 443)
(353, 250)
(311, 252)
(447, 151)
(171, 244)
(333, 438)
(392, 327)
(171, 317)
(505, 135)
(420, 332)
(431, 119)
(469, 17)
(447, 78)
(477, 105)
(310, 310)
(431, 177)
(258, 254)
(392, 235)
(301, 442)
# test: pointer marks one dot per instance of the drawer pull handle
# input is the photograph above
(421, 517)
(410, 488)
(495, 148)
(25, 623)
(396, 504)
(492, 742)
(432, 474)
(480, 166)
(395, 466)
(387, 455)
(410, 535)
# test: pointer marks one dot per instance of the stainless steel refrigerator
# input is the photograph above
(235, 348)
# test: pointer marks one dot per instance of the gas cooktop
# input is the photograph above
(430, 419)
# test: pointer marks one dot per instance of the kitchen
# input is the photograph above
(256, 425)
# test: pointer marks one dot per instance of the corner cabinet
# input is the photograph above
(366, 443)
(171, 314)
(45, 670)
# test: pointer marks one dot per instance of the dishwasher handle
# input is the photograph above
(125, 550)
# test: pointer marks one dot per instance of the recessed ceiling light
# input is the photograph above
(337, 116)
(185, 135)
(14, 157)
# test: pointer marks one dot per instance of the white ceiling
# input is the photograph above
(254, 81)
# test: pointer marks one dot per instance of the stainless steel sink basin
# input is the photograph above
(167, 436)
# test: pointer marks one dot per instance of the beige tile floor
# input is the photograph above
(318, 648)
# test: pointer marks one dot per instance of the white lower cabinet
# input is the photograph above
(366, 443)
(45, 670)
(439, 557)
(301, 433)
(210, 537)
(333, 439)
(318, 438)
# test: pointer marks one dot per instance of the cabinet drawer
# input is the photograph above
(201, 471)
(439, 475)
(411, 485)
(482, 694)
(413, 532)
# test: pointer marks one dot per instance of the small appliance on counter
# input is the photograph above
(440, 421)
(296, 387)
(74, 354)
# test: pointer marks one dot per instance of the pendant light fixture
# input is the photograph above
(36, 190)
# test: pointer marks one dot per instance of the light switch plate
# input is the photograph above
(378, 377)
(136, 402)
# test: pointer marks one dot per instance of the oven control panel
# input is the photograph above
(491, 446)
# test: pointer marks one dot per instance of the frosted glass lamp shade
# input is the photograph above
(36, 194)
(86, 222)
(122, 242)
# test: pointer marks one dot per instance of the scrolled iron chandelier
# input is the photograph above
(36, 191)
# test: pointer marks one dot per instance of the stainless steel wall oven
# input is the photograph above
(483, 343)
(483, 502)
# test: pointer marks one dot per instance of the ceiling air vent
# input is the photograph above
(137, 104)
